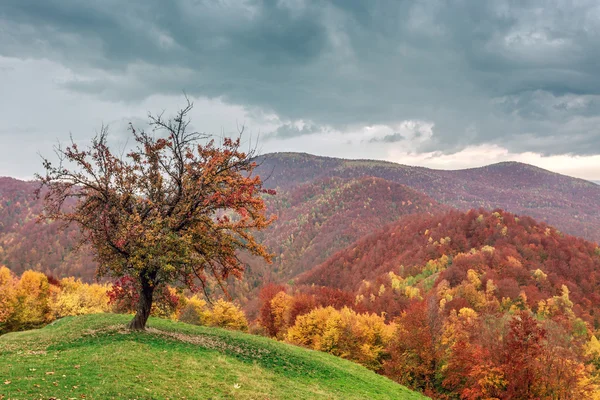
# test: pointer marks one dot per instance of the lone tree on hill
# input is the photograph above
(175, 210)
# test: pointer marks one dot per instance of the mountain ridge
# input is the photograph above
(569, 203)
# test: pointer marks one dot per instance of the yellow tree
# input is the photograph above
(7, 294)
(77, 298)
(32, 307)
(175, 210)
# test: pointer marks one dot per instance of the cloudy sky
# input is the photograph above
(443, 84)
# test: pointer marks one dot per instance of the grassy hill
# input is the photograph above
(93, 357)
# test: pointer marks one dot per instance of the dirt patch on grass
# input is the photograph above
(205, 341)
(122, 329)
(213, 343)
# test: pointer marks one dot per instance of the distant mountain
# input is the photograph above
(323, 205)
(568, 203)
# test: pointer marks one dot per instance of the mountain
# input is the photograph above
(568, 203)
(323, 205)
(498, 246)
(79, 357)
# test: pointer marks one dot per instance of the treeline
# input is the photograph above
(35, 299)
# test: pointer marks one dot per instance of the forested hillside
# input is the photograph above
(26, 244)
(568, 203)
(316, 219)
(476, 305)
(516, 253)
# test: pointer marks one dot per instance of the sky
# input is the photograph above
(439, 83)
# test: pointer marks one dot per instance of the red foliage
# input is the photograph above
(265, 296)
(522, 349)
(520, 247)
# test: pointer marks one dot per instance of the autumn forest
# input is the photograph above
(469, 284)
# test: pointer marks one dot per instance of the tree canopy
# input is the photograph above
(175, 209)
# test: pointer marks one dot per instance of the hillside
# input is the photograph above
(475, 299)
(498, 246)
(568, 203)
(317, 219)
(25, 244)
(92, 357)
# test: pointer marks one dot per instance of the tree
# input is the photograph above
(7, 295)
(225, 314)
(32, 308)
(176, 209)
(523, 347)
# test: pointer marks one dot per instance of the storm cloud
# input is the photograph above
(522, 75)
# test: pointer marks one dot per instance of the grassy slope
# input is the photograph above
(92, 357)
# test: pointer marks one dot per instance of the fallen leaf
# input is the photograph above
(7, 382)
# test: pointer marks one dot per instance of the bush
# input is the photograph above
(77, 298)
(194, 311)
(225, 314)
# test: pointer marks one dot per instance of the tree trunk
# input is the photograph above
(138, 323)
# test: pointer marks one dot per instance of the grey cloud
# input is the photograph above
(392, 138)
(499, 72)
(287, 131)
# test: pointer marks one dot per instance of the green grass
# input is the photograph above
(94, 357)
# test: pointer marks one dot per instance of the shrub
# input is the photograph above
(225, 314)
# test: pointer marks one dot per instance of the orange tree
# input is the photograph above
(177, 209)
